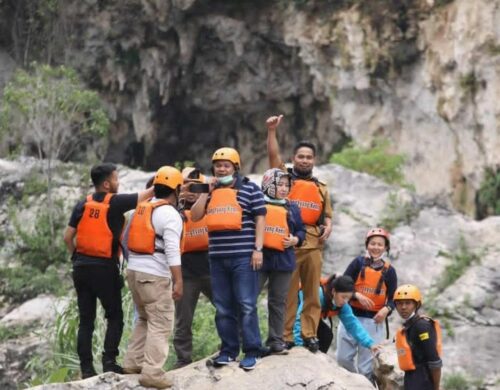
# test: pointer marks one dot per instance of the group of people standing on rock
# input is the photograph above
(228, 238)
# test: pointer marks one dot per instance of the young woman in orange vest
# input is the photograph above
(418, 342)
(335, 293)
(235, 214)
(375, 283)
(195, 268)
(284, 230)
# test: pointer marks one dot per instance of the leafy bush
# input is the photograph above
(35, 247)
(13, 332)
(375, 161)
(22, 283)
(460, 262)
(488, 196)
(397, 212)
(461, 381)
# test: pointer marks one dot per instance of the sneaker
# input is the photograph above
(278, 349)
(88, 372)
(249, 362)
(289, 344)
(162, 382)
(179, 364)
(312, 344)
(222, 360)
(112, 367)
(132, 370)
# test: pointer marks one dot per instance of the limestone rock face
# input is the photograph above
(299, 369)
(183, 77)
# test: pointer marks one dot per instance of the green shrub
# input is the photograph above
(22, 283)
(461, 381)
(35, 184)
(13, 332)
(397, 212)
(488, 196)
(459, 263)
(34, 247)
(375, 161)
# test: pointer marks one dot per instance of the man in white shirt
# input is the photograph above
(154, 277)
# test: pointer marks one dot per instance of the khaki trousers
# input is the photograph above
(148, 345)
(307, 275)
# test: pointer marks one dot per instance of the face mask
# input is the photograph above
(225, 180)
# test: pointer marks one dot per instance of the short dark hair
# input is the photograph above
(304, 144)
(149, 183)
(162, 191)
(343, 283)
(99, 173)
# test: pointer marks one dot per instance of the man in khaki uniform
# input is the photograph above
(154, 277)
(313, 199)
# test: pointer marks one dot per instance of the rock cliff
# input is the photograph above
(181, 77)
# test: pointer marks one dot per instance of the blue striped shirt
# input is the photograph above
(240, 242)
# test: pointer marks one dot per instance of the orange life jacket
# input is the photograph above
(371, 283)
(276, 228)
(305, 194)
(327, 312)
(93, 235)
(223, 211)
(141, 236)
(195, 234)
(403, 348)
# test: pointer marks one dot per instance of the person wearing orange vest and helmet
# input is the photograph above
(93, 239)
(284, 230)
(235, 215)
(418, 342)
(335, 293)
(195, 269)
(375, 282)
(311, 195)
(154, 277)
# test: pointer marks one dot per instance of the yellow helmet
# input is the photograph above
(169, 177)
(192, 174)
(229, 154)
(408, 291)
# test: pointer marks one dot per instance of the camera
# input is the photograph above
(199, 188)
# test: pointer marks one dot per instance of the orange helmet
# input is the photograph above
(192, 174)
(408, 291)
(229, 154)
(169, 177)
(378, 232)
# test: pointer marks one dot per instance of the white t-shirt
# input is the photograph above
(167, 224)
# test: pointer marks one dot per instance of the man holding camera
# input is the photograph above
(195, 268)
(311, 195)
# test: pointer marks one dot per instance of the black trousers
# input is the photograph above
(94, 282)
(325, 336)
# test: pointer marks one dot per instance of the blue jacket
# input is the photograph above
(285, 261)
(350, 322)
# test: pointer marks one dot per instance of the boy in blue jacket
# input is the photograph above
(335, 293)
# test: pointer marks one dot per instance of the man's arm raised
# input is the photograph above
(273, 149)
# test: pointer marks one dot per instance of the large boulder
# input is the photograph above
(299, 369)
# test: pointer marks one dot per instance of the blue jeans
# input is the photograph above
(235, 287)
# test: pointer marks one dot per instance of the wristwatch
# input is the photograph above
(257, 249)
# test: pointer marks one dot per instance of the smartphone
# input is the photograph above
(199, 188)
